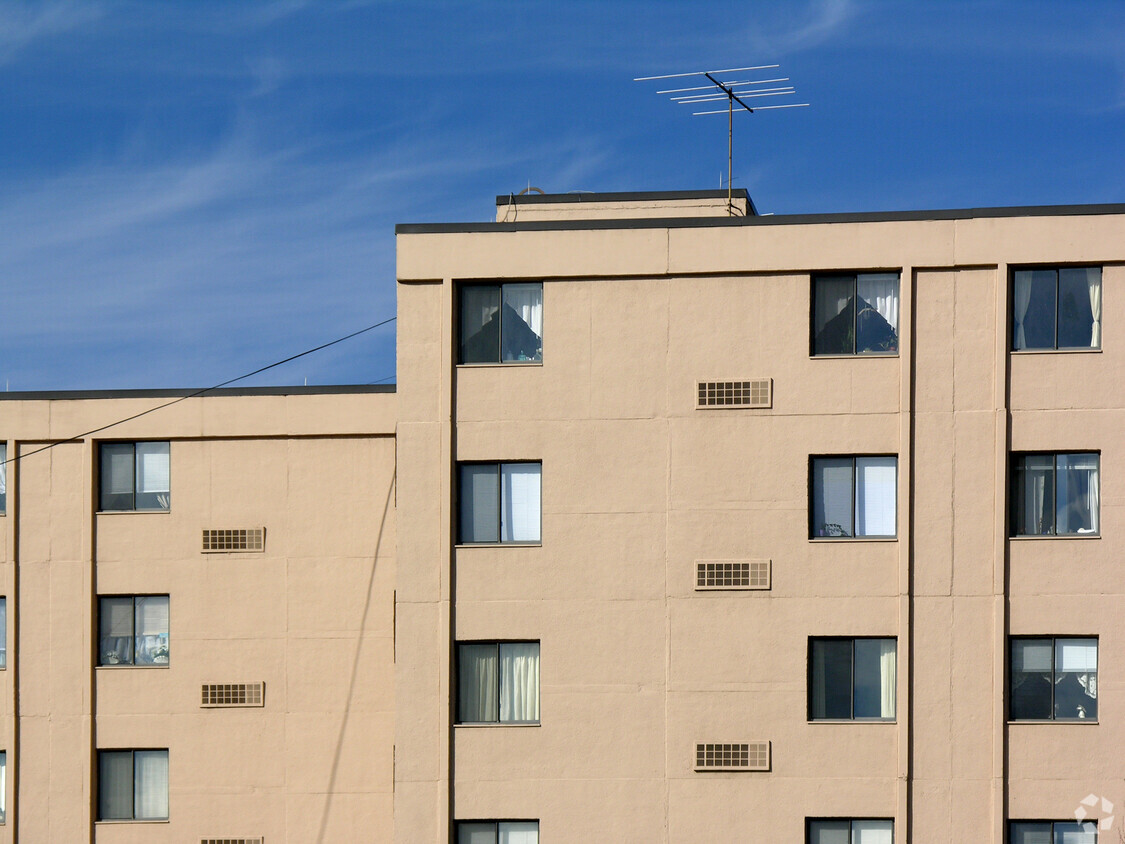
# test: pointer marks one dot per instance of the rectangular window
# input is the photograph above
(498, 683)
(1057, 308)
(3, 477)
(1055, 494)
(853, 496)
(502, 323)
(1052, 832)
(498, 832)
(134, 476)
(133, 630)
(3, 786)
(3, 632)
(1053, 679)
(132, 785)
(852, 679)
(499, 502)
(855, 314)
(851, 831)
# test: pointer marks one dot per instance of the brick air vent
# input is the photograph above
(757, 393)
(234, 539)
(233, 694)
(232, 841)
(732, 574)
(753, 756)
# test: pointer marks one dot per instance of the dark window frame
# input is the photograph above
(499, 464)
(104, 506)
(1055, 268)
(1053, 823)
(494, 821)
(132, 751)
(460, 324)
(1012, 640)
(499, 681)
(854, 276)
(851, 698)
(1015, 502)
(849, 820)
(100, 657)
(853, 535)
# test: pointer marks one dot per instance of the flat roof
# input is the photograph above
(203, 392)
(765, 220)
(628, 196)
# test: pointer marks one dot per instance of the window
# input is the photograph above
(855, 314)
(852, 679)
(499, 502)
(1055, 494)
(132, 785)
(502, 323)
(498, 682)
(3, 786)
(1047, 832)
(853, 496)
(498, 832)
(133, 630)
(3, 478)
(1057, 308)
(134, 476)
(1054, 679)
(3, 632)
(851, 832)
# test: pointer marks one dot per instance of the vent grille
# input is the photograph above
(732, 574)
(234, 539)
(232, 841)
(233, 694)
(756, 393)
(752, 756)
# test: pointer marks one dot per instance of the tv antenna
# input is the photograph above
(733, 91)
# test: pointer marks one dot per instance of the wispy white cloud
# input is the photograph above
(23, 24)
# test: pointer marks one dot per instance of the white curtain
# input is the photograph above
(1032, 657)
(1021, 300)
(1077, 500)
(150, 784)
(888, 675)
(1076, 655)
(152, 468)
(519, 832)
(873, 832)
(520, 502)
(477, 683)
(519, 681)
(832, 496)
(480, 502)
(3, 786)
(3, 474)
(1094, 280)
(880, 291)
(527, 301)
(152, 630)
(876, 496)
(3, 634)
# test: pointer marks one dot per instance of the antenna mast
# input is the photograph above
(733, 92)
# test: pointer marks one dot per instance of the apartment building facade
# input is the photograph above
(198, 616)
(680, 526)
(760, 528)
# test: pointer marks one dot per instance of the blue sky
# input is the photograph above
(191, 190)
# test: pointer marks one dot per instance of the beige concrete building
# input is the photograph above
(822, 548)
(680, 527)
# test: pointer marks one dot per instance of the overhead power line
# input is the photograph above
(198, 393)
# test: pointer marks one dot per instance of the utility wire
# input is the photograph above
(197, 393)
